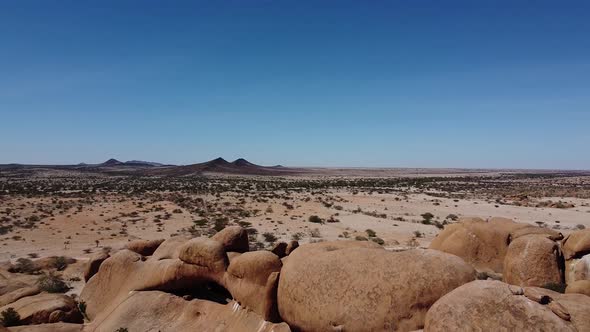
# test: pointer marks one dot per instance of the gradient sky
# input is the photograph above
(495, 84)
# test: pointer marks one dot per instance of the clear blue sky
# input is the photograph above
(323, 83)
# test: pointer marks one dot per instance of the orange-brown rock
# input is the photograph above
(579, 268)
(533, 260)
(542, 231)
(485, 305)
(291, 246)
(144, 247)
(36, 309)
(248, 274)
(142, 311)
(14, 286)
(576, 244)
(579, 287)
(204, 252)
(233, 238)
(190, 267)
(56, 327)
(169, 248)
(94, 264)
(355, 286)
(483, 244)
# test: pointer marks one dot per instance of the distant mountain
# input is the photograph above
(222, 166)
(219, 165)
(111, 162)
(132, 163)
(243, 163)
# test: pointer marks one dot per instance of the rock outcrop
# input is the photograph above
(233, 238)
(359, 286)
(14, 286)
(55, 327)
(533, 260)
(576, 244)
(484, 244)
(496, 306)
(94, 263)
(38, 309)
(141, 311)
(187, 267)
(144, 247)
(579, 287)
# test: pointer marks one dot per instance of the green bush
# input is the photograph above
(427, 218)
(24, 265)
(52, 283)
(82, 308)
(60, 263)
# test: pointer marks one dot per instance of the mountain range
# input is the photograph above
(218, 165)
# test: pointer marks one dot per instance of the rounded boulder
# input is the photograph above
(348, 286)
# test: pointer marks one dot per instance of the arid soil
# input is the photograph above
(77, 214)
(49, 212)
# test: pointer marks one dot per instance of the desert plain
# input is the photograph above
(73, 214)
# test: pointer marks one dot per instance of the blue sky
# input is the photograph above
(304, 83)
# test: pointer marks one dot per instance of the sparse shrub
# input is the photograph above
(297, 236)
(9, 317)
(427, 218)
(580, 226)
(315, 219)
(244, 224)
(315, 232)
(220, 223)
(269, 237)
(360, 238)
(452, 217)
(200, 222)
(371, 233)
(52, 283)
(418, 234)
(122, 329)
(24, 265)
(60, 263)
(82, 308)
(378, 240)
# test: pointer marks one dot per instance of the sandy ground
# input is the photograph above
(76, 232)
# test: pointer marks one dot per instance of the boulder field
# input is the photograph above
(217, 284)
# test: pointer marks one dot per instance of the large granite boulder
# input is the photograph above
(159, 311)
(358, 286)
(533, 260)
(489, 305)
